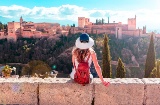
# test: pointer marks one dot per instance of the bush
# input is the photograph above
(36, 68)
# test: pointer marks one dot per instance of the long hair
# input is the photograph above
(80, 54)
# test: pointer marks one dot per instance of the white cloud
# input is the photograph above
(71, 12)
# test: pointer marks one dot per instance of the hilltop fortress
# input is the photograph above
(119, 29)
(31, 29)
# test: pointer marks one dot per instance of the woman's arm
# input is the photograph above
(98, 68)
(96, 65)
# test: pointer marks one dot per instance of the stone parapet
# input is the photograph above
(63, 91)
(18, 91)
(152, 91)
(127, 91)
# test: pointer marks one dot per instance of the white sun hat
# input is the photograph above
(84, 41)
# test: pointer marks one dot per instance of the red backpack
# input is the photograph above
(82, 75)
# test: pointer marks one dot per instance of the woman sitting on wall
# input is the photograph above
(82, 57)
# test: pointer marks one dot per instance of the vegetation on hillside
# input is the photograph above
(156, 70)
(44, 49)
(150, 60)
(50, 50)
(3, 27)
(106, 59)
(120, 71)
(36, 68)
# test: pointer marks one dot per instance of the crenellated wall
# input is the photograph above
(63, 91)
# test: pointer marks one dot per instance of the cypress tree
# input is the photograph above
(96, 21)
(158, 67)
(120, 71)
(155, 72)
(69, 32)
(106, 59)
(150, 60)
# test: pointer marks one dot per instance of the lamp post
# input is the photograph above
(53, 68)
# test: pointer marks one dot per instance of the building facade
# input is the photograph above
(119, 29)
(31, 29)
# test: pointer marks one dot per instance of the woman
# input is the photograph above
(84, 53)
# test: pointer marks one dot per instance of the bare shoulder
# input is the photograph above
(73, 49)
(91, 51)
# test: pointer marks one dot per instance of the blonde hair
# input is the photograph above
(80, 54)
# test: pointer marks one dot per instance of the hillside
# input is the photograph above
(58, 51)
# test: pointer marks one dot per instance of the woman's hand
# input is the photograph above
(106, 83)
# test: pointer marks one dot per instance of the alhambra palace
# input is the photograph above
(37, 30)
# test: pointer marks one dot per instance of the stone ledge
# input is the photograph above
(127, 91)
(63, 91)
(18, 93)
(152, 91)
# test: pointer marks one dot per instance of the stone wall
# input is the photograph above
(63, 91)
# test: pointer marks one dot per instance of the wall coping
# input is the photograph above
(63, 91)
(95, 80)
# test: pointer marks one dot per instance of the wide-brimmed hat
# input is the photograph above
(84, 41)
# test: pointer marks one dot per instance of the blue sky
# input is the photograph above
(67, 11)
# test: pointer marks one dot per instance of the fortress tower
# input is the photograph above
(118, 32)
(13, 30)
(86, 21)
(144, 29)
(21, 20)
(132, 23)
(81, 22)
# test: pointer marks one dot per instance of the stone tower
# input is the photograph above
(132, 23)
(13, 30)
(108, 20)
(86, 21)
(118, 32)
(81, 22)
(144, 29)
(21, 20)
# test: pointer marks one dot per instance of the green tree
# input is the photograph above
(1, 26)
(106, 59)
(155, 72)
(5, 27)
(120, 71)
(69, 32)
(73, 25)
(96, 21)
(102, 21)
(158, 67)
(36, 67)
(150, 60)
